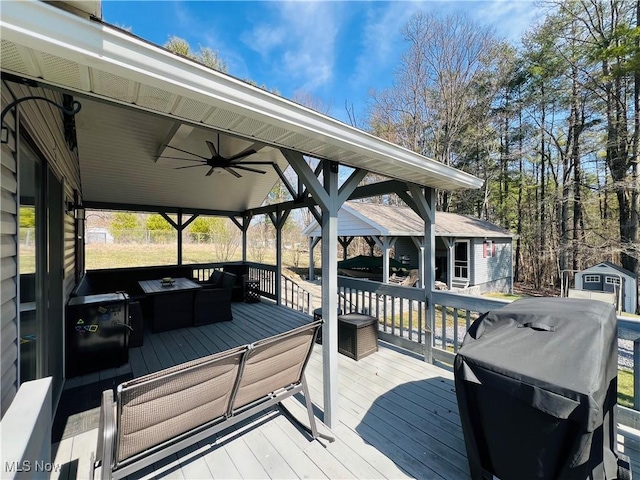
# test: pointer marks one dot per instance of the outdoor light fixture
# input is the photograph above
(76, 106)
(79, 212)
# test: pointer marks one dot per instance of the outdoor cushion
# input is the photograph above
(215, 279)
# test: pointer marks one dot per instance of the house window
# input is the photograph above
(592, 278)
(461, 259)
(612, 281)
(488, 249)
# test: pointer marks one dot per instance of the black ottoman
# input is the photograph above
(357, 335)
(317, 315)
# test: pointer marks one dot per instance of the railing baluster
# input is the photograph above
(410, 320)
(443, 315)
(401, 304)
(455, 330)
(420, 329)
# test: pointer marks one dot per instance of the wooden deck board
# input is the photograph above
(398, 415)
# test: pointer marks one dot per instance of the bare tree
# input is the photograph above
(442, 87)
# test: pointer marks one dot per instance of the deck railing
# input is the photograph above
(293, 295)
(296, 297)
(404, 320)
(401, 311)
(453, 314)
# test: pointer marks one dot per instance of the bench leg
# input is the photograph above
(307, 400)
(313, 428)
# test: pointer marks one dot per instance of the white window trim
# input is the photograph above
(592, 278)
(612, 281)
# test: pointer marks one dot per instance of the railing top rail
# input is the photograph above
(467, 302)
(628, 328)
(263, 266)
(410, 293)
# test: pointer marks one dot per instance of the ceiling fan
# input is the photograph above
(230, 164)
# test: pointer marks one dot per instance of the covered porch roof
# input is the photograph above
(138, 97)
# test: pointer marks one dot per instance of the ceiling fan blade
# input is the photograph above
(185, 159)
(210, 171)
(240, 155)
(233, 172)
(189, 153)
(241, 167)
(188, 166)
(253, 163)
(212, 148)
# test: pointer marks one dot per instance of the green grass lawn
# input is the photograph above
(503, 296)
(140, 255)
(625, 388)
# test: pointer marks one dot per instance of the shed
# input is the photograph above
(607, 277)
(476, 252)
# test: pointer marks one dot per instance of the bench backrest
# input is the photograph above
(274, 363)
(165, 404)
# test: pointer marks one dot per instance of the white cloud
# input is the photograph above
(510, 18)
(381, 39)
(299, 41)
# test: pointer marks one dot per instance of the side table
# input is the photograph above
(357, 335)
(251, 290)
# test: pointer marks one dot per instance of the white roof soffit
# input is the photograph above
(63, 50)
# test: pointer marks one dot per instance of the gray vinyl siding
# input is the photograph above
(8, 271)
(487, 269)
(69, 254)
(44, 123)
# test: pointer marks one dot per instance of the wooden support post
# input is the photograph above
(313, 241)
(385, 244)
(372, 243)
(330, 198)
(330, 294)
(278, 219)
(344, 243)
(244, 228)
(179, 231)
(423, 200)
(451, 255)
(420, 246)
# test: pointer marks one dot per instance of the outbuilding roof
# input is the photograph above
(612, 266)
(385, 220)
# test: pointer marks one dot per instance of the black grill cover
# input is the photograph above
(536, 383)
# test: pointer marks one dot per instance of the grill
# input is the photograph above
(536, 383)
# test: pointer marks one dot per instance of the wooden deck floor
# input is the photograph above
(398, 415)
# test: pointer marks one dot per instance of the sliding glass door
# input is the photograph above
(40, 256)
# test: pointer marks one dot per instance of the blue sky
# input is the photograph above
(335, 51)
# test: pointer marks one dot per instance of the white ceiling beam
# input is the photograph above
(176, 138)
(302, 168)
